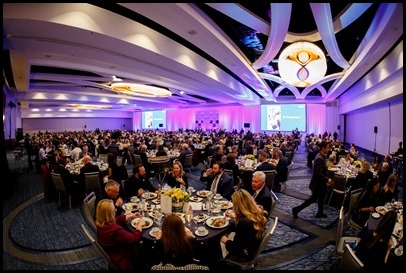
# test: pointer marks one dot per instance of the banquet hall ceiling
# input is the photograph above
(66, 55)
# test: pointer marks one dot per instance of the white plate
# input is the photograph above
(210, 221)
(203, 193)
(152, 195)
(398, 252)
(375, 215)
(381, 209)
(148, 222)
(131, 206)
(202, 235)
(226, 204)
(156, 201)
(333, 169)
(196, 199)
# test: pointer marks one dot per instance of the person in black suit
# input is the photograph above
(261, 194)
(318, 183)
(142, 152)
(224, 186)
(265, 164)
(137, 183)
(281, 168)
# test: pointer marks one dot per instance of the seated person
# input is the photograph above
(217, 180)
(137, 183)
(177, 177)
(88, 167)
(367, 202)
(249, 225)
(261, 193)
(346, 161)
(111, 191)
(231, 164)
(161, 151)
(120, 244)
(362, 177)
(174, 244)
(390, 191)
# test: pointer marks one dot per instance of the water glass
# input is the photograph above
(188, 218)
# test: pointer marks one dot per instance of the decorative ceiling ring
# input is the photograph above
(135, 89)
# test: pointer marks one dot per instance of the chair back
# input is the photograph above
(137, 160)
(60, 188)
(289, 156)
(89, 209)
(187, 165)
(339, 182)
(185, 267)
(230, 173)
(209, 160)
(354, 197)
(340, 225)
(349, 260)
(92, 182)
(269, 178)
(99, 248)
(253, 262)
(289, 169)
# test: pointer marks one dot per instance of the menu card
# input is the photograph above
(166, 204)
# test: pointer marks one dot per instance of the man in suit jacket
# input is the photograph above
(261, 193)
(224, 186)
(142, 152)
(137, 183)
(265, 165)
(85, 151)
(318, 184)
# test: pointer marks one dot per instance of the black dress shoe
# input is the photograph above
(321, 215)
(294, 212)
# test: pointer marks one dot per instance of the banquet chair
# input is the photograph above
(187, 165)
(92, 182)
(350, 261)
(102, 253)
(60, 188)
(89, 209)
(354, 197)
(342, 241)
(160, 165)
(229, 262)
(283, 183)
(137, 160)
(230, 173)
(269, 178)
(338, 188)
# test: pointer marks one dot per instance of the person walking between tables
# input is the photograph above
(318, 184)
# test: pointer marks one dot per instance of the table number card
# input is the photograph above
(166, 204)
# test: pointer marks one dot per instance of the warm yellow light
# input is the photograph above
(302, 64)
(143, 90)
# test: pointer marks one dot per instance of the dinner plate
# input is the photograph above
(203, 193)
(381, 209)
(213, 222)
(156, 201)
(203, 234)
(131, 206)
(333, 169)
(148, 222)
(397, 230)
(152, 195)
(398, 252)
(225, 204)
(375, 215)
(196, 199)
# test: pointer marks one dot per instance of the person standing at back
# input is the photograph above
(318, 184)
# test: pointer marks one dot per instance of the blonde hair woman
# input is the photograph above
(119, 243)
(250, 224)
(177, 176)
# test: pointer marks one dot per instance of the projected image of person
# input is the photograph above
(148, 119)
(274, 117)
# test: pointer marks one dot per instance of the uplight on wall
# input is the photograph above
(302, 64)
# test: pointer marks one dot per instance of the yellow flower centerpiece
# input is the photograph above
(178, 198)
(251, 156)
(357, 163)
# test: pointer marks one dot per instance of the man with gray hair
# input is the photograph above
(261, 193)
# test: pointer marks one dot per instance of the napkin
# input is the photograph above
(196, 205)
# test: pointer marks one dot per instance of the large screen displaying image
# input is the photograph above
(154, 119)
(283, 117)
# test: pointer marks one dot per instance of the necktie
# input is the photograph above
(254, 195)
(213, 187)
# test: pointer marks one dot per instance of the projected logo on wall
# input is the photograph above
(283, 117)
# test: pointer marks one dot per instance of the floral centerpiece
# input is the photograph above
(178, 197)
(357, 163)
(166, 149)
(251, 156)
(269, 146)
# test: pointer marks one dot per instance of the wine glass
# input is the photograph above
(188, 217)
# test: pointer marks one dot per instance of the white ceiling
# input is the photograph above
(175, 46)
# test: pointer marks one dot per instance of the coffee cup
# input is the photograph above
(201, 230)
(218, 195)
(134, 199)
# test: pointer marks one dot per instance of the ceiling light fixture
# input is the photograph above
(134, 89)
(89, 106)
(302, 64)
